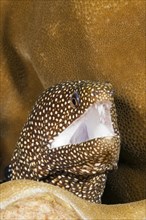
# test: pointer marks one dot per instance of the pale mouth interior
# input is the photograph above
(94, 123)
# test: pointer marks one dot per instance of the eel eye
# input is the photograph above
(75, 99)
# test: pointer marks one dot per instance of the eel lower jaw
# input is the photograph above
(94, 123)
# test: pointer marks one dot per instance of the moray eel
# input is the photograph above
(71, 139)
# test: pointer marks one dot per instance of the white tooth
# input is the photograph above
(101, 111)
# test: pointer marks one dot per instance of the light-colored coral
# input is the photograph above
(25, 199)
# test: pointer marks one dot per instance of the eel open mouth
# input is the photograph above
(94, 123)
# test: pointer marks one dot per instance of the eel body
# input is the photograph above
(71, 139)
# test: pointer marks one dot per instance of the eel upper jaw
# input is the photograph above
(94, 123)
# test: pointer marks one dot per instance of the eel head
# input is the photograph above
(71, 131)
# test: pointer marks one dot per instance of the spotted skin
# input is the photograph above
(80, 168)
